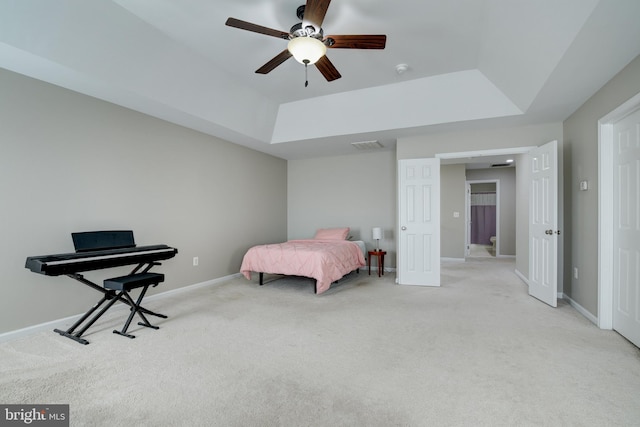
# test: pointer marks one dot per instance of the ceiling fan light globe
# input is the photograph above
(307, 49)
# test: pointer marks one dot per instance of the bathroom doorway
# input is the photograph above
(482, 218)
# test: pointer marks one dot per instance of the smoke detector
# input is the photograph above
(401, 68)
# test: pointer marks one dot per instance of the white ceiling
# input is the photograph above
(472, 64)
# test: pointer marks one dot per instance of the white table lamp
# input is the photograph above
(378, 234)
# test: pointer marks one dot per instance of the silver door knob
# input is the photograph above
(403, 228)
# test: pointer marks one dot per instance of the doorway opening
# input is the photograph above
(483, 217)
(487, 159)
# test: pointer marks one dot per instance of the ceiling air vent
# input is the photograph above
(367, 145)
(500, 165)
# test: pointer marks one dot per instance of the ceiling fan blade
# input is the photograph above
(327, 69)
(277, 60)
(244, 25)
(373, 41)
(314, 12)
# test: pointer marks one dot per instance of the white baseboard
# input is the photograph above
(193, 287)
(62, 323)
(580, 309)
(522, 277)
(562, 295)
(559, 295)
(47, 326)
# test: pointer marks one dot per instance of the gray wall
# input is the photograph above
(357, 191)
(581, 163)
(507, 183)
(483, 187)
(70, 163)
(452, 199)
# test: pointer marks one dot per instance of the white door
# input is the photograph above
(419, 222)
(543, 224)
(626, 233)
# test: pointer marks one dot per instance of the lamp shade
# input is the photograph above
(307, 49)
(377, 233)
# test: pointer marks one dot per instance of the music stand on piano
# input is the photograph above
(97, 250)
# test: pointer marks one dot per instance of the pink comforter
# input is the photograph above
(324, 260)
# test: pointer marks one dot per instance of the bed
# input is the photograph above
(327, 257)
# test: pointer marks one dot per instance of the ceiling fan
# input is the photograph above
(307, 43)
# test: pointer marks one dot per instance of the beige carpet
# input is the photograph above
(476, 352)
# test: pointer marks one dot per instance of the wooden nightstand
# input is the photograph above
(380, 255)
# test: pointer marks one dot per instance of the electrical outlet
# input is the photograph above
(195, 261)
(575, 272)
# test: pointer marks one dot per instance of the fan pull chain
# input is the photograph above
(306, 77)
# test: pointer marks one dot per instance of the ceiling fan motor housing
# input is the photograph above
(309, 31)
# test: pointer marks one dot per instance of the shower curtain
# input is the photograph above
(483, 217)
